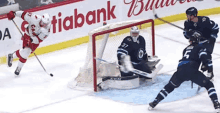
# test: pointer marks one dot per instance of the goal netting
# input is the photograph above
(103, 43)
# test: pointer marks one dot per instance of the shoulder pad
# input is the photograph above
(129, 39)
(140, 36)
(205, 18)
(190, 47)
(35, 17)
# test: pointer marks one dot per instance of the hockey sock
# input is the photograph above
(14, 54)
(164, 92)
(21, 59)
(211, 91)
(161, 95)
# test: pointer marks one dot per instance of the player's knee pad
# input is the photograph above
(25, 52)
(209, 84)
(169, 87)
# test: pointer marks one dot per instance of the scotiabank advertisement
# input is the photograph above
(75, 20)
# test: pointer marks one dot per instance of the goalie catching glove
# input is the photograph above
(126, 65)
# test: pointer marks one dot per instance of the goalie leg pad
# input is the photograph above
(129, 82)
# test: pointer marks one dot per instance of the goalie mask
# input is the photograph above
(45, 20)
(134, 33)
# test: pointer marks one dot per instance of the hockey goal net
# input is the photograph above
(103, 44)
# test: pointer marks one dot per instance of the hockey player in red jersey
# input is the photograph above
(37, 30)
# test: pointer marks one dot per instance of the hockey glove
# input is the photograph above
(204, 68)
(197, 34)
(194, 33)
(210, 75)
(214, 36)
(27, 40)
(11, 15)
(207, 67)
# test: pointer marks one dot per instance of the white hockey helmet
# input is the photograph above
(134, 33)
(45, 20)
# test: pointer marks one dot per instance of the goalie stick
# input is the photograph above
(149, 75)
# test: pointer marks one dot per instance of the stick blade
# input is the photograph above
(156, 16)
(154, 13)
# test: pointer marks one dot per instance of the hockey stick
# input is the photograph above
(152, 75)
(33, 52)
(156, 16)
(199, 88)
(43, 66)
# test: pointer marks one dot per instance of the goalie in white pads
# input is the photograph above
(37, 30)
(133, 61)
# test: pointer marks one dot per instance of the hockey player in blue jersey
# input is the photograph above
(203, 27)
(193, 56)
(133, 46)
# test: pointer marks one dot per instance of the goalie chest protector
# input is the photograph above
(136, 50)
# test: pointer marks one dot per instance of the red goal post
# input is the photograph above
(113, 30)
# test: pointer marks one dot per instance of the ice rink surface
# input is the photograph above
(36, 92)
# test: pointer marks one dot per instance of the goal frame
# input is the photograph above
(112, 30)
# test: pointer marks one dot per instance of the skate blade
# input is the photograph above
(217, 110)
(150, 108)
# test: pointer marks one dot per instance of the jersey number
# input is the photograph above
(33, 29)
(124, 45)
(186, 55)
(29, 14)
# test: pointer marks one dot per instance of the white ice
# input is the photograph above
(36, 92)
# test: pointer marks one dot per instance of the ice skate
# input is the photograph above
(217, 106)
(17, 71)
(152, 105)
(10, 59)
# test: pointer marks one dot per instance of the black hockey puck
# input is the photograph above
(51, 74)
(104, 23)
